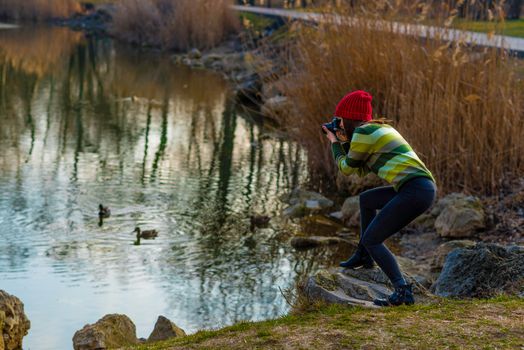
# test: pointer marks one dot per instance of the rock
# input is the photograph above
(324, 287)
(301, 196)
(458, 216)
(111, 331)
(315, 241)
(304, 202)
(350, 207)
(276, 106)
(337, 215)
(482, 270)
(314, 204)
(217, 65)
(351, 211)
(444, 249)
(295, 211)
(165, 329)
(356, 287)
(354, 184)
(212, 58)
(14, 324)
(194, 54)
(425, 222)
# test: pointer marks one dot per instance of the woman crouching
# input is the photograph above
(377, 147)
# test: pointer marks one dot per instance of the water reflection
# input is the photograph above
(83, 122)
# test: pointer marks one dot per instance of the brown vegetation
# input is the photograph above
(174, 24)
(460, 107)
(37, 10)
(37, 52)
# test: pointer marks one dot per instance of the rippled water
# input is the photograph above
(84, 122)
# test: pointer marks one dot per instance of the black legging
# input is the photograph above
(397, 210)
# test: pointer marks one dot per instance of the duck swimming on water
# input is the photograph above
(147, 234)
(103, 212)
(258, 221)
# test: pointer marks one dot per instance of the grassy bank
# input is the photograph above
(170, 24)
(494, 323)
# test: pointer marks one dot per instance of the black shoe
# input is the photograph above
(402, 295)
(361, 258)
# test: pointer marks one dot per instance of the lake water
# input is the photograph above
(84, 122)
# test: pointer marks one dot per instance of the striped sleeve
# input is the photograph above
(352, 162)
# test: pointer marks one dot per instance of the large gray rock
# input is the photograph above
(111, 331)
(351, 211)
(482, 270)
(165, 329)
(303, 202)
(361, 286)
(443, 250)
(458, 215)
(14, 324)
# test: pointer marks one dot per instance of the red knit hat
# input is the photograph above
(355, 105)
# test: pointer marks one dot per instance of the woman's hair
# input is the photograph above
(381, 121)
(349, 127)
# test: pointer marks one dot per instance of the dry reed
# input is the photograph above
(174, 24)
(459, 106)
(37, 10)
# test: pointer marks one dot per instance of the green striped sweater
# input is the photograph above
(380, 149)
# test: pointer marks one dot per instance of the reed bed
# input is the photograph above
(174, 24)
(459, 106)
(37, 10)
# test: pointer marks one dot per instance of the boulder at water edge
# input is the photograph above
(111, 331)
(303, 202)
(351, 211)
(165, 329)
(13, 322)
(361, 286)
(443, 250)
(458, 215)
(482, 270)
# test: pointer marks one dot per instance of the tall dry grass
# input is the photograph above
(174, 24)
(459, 106)
(37, 10)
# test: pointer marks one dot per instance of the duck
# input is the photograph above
(103, 212)
(258, 221)
(147, 234)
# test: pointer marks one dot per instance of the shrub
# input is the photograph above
(174, 24)
(37, 10)
(459, 106)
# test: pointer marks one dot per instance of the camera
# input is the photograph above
(332, 126)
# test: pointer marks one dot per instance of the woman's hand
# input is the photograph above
(332, 137)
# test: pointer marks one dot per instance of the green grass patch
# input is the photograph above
(256, 22)
(509, 27)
